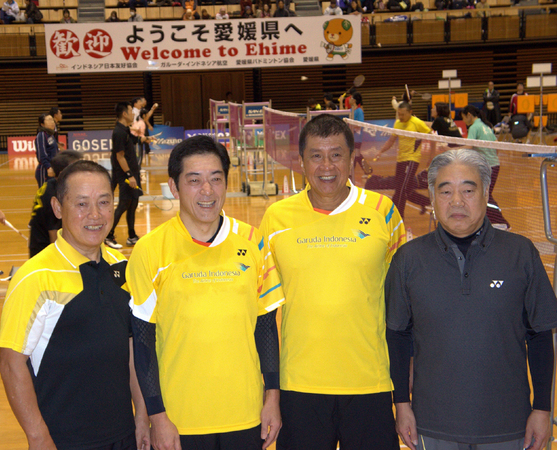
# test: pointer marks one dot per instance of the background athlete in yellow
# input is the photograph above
(204, 313)
(333, 244)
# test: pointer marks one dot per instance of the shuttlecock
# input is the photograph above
(304, 78)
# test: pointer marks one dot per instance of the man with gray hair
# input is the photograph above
(477, 305)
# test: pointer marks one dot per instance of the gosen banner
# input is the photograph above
(203, 45)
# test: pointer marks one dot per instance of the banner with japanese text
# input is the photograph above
(203, 45)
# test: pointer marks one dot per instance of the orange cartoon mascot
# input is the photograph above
(338, 33)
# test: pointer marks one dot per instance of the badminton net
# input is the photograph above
(516, 205)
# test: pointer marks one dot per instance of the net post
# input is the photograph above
(549, 162)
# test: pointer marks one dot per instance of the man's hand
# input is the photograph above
(23, 400)
(271, 421)
(2, 218)
(50, 172)
(133, 182)
(44, 442)
(406, 425)
(142, 432)
(164, 434)
(538, 430)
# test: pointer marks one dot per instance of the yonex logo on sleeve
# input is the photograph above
(365, 220)
(117, 274)
(496, 284)
(242, 252)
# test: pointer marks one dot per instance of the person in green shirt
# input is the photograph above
(477, 129)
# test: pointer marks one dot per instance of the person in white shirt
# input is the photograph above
(222, 14)
(333, 9)
(9, 11)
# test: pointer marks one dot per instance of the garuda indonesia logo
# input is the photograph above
(360, 234)
(242, 267)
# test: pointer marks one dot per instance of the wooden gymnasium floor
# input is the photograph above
(18, 187)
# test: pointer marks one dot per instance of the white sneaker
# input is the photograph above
(111, 242)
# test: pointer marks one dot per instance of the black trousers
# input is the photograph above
(249, 439)
(127, 203)
(405, 186)
(320, 421)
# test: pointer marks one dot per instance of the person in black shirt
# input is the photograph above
(44, 225)
(125, 173)
(443, 123)
(478, 307)
(280, 11)
(65, 331)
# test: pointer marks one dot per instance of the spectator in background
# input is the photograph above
(342, 5)
(482, 4)
(313, 105)
(247, 13)
(229, 97)
(491, 106)
(264, 12)
(356, 102)
(405, 98)
(57, 116)
(32, 13)
(113, 17)
(328, 97)
(44, 225)
(66, 17)
(205, 15)
(443, 124)
(9, 11)
(331, 106)
(125, 173)
(46, 148)
(344, 99)
(134, 17)
(281, 12)
(477, 129)
(513, 104)
(190, 15)
(141, 128)
(356, 106)
(408, 159)
(354, 8)
(333, 9)
(244, 3)
(222, 14)
(368, 6)
(133, 3)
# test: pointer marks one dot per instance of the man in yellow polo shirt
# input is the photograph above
(333, 244)
(408, 159)
(204, 305)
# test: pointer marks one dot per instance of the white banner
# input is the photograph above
(203, 45)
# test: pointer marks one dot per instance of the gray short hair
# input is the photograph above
(471, 158)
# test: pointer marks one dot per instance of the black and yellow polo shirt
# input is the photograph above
(71, 316)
